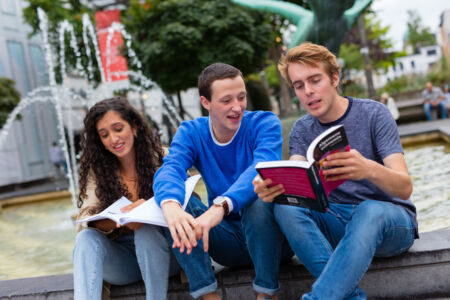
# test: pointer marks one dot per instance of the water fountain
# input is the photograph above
(63, 99)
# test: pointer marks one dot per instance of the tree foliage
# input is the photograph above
(9, 97)
(176, 39)
(378, 43)
(418, 35)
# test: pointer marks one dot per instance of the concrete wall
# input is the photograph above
(422, 272)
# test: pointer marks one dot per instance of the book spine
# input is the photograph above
(319, 190)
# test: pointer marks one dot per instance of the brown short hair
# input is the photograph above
(309, 54)
(212, 73)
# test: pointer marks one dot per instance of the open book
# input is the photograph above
(148, 212)
(303, 181)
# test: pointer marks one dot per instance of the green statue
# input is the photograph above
(326, 24)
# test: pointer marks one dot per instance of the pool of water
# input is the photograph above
(37, 239)
(429, 167)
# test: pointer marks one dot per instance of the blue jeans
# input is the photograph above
(236, 243)
(144, 254)
(427, 108)
(337, 247)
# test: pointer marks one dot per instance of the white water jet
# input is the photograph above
(63, 99)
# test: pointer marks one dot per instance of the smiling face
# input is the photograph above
(316, 91)
(116, 134)
(226, 106)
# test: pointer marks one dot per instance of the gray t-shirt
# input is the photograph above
(434, 95)
(372, 131)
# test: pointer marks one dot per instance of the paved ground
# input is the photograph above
(424, 127)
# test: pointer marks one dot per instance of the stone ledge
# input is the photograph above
(422, 272)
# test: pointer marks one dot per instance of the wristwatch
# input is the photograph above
(222, 201)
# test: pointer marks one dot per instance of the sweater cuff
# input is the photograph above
(170, 200)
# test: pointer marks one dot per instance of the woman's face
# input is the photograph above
(116, 134)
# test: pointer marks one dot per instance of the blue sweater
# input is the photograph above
(227, 169)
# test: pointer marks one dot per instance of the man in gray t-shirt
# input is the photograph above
(433, 98)
(370, 214)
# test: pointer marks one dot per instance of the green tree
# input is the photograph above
(418, 35)
(9, 97)
(378, 43)
(176, 39)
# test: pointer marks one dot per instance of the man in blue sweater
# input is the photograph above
(237, 229)
(370, 214)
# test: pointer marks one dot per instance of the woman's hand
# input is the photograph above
(183, 227)
(266, 193)
(133, 226)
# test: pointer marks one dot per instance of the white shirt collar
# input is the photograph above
(214, 138)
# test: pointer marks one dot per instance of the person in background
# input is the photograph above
(433, 98)
(57, 159)
(120, 156)
(370, 214)
(390, 103)
(447, 98)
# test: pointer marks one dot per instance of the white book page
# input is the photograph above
(283, 164)
(111, 212)
(150, 213)
(312, 146)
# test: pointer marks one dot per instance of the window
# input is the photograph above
(400, 64)
(413, 65)
(8, 7)
(431, 52)
(38, 61)
(2, 72)
(18, 66)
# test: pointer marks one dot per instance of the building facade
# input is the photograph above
(416, 64)
(24, 156)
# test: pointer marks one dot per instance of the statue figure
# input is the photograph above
(326, 24)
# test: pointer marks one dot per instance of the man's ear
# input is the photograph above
(335, 79)
(205, 103)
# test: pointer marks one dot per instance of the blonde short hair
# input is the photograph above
(309, 54)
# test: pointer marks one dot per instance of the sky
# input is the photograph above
(394, 13)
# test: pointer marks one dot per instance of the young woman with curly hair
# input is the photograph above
(120, 156)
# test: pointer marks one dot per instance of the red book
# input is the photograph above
(303, 181)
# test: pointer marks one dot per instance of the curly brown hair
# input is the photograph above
(96, 160)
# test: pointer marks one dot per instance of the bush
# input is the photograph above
(9, 97)
(405, 84)
(257, 95)
(354, 90)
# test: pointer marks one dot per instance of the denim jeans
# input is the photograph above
(441, 106)
(236, 243)
(144, 254)
(337, 247)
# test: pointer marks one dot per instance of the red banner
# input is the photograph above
(117, 63)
